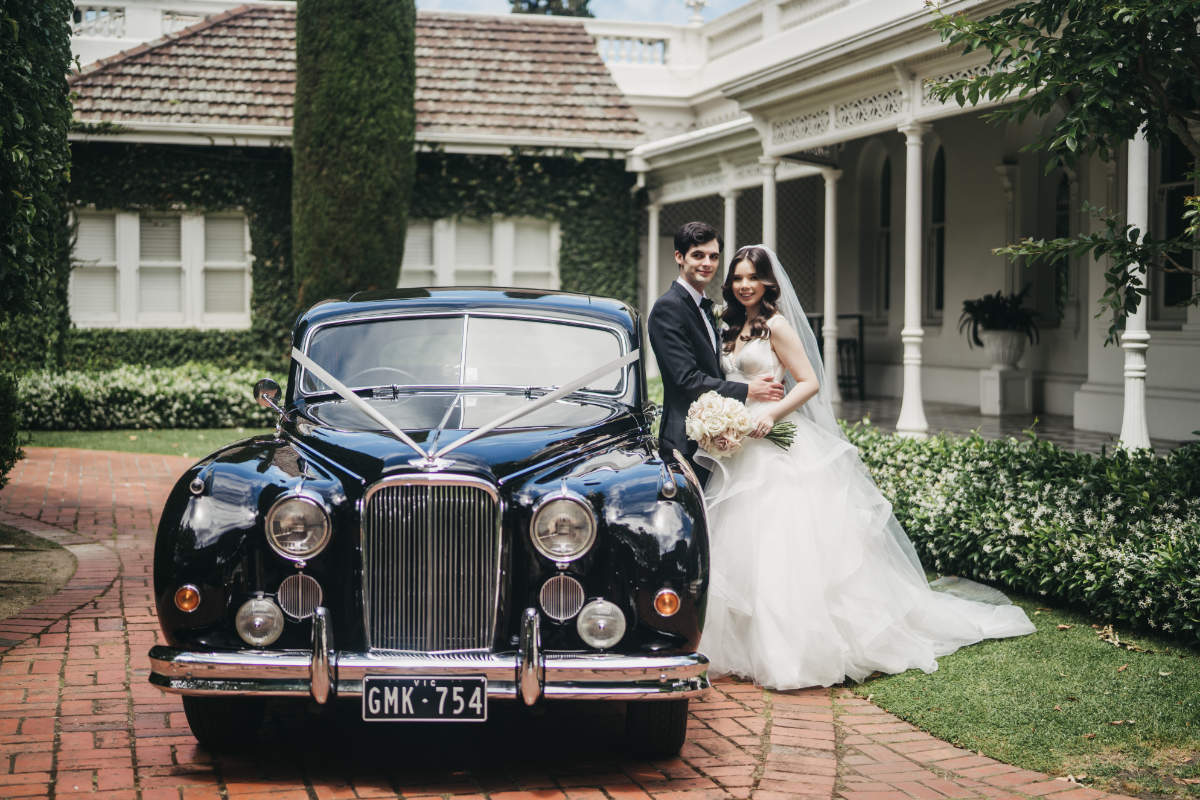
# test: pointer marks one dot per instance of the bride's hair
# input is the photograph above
(735, 312)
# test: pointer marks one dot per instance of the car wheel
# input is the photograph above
(656, 728)
(222, 724)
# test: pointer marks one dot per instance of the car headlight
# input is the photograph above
(563, 527)
(297, 527)
(259, 622)
(601, 624)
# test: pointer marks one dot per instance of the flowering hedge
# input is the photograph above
(193, 395)
(1117, 534)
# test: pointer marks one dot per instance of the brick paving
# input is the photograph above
(78, 718)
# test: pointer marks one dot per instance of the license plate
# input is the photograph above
(432, 699)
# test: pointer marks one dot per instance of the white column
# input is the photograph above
(651, 257)
(768, 165)
(1135, 429)
(731, 246)
(830, 329)
(912, 408)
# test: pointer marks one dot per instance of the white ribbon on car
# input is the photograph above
(557, 394)
(355, 400)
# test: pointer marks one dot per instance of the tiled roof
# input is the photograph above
(515, 79)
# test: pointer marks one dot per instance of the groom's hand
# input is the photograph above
(765, 389)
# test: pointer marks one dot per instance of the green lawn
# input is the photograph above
(193, 443)
(1065, 701)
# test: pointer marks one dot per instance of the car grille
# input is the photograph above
(431, 563)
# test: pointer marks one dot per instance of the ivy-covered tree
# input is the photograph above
(35, 40)
(558, 8)
(1104, 70)
(353, 141)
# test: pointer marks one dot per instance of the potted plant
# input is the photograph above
(1000, 325)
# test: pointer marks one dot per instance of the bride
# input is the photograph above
(813, 580)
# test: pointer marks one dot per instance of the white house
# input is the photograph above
(809, 125)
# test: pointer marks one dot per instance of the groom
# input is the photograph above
(683, 333)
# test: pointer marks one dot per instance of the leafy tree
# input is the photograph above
(1106, 68)
(560, 8)
(353, 141)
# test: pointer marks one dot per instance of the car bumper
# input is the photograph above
(528, 674)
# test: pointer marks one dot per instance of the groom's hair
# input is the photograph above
(694, 233)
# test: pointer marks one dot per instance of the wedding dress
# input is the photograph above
(812, 578)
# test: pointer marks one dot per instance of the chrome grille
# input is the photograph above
(299, 595)
(561, 597)
(431, 563)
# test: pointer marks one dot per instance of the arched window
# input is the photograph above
(935, 259)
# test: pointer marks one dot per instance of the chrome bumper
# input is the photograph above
(528, 674)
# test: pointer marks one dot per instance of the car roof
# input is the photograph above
(462, 299)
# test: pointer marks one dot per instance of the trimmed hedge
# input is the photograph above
(92, 349)
(1117, 535)
(10, 448)
(189, 396)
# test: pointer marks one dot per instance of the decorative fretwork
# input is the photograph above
(800, 126)
(927, 84)
(880, 105)
(98, 21)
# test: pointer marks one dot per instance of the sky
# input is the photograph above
(674, 11)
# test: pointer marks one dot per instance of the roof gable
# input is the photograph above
(509, 79)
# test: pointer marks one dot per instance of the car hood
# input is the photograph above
(348, 438)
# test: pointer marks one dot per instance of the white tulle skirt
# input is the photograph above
(812, 579)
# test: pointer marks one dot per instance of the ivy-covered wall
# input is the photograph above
(591, 199)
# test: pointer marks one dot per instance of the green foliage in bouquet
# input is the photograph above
(1117, 535)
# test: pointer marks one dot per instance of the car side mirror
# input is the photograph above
(267, 394)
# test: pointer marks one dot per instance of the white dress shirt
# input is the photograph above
(696, 298)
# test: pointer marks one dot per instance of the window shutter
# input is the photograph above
(160, 290)
(96, 238)
(418, 246)
(224, 240)
(93, 293)
(224, 291)
(159, 237)
(473, 244)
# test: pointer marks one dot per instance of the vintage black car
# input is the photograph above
(462, 503)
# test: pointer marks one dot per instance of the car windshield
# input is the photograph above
(464, 350)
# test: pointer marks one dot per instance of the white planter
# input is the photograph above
(1003, 348)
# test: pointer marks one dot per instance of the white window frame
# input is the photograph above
(445, 267)
(192, 263)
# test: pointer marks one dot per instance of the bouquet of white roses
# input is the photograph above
(718, 424)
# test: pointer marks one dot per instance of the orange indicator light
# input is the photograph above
(187, 598)
(666, 602)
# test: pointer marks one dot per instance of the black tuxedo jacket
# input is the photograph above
(688, 364)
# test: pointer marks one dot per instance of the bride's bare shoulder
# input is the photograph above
(778, 322)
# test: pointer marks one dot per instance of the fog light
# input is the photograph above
(187, 598)
(259, 621)
(666, 602)
(601, 624)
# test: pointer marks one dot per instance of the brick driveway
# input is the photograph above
(77, 716)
